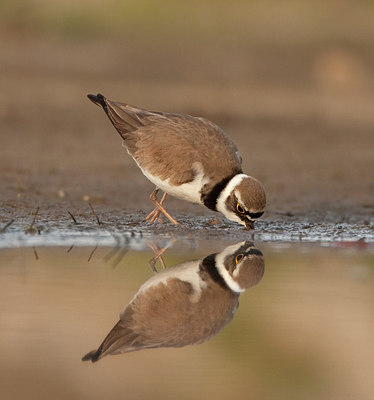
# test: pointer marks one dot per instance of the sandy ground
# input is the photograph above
(302, 118)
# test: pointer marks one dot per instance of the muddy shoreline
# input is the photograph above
(128, 229)
(305, 135)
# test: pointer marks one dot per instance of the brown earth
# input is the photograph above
(302, 118)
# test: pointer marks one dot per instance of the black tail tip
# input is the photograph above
(93, 356)
(98, 99)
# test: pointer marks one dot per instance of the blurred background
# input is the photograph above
(291, 82)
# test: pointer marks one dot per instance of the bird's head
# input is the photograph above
(243, 200)
(241, 265)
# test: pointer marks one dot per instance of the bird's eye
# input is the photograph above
(240, 208)
(239, 258)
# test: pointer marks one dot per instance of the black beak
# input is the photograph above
(249, 224)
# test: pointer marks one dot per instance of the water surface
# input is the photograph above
(304, 331)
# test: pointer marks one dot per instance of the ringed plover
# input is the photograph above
(187, 157)
(185, 304)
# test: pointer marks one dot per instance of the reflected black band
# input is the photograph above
(209, 266)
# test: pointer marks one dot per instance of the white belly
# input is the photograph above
(187, 191)
(186, 272)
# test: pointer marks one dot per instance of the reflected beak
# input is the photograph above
(249, 224)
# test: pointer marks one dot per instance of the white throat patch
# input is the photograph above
(230, 187)
(220, 258)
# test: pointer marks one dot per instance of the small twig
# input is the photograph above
(35, 253)
(92, 252)
(112, 253)
(2, 230)
(119, 257)
(73, 218)
(35, 215)
(31, 229)
(70, 249)
(94, 213)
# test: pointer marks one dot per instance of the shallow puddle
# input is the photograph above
(304, 327)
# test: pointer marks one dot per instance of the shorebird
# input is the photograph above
(188, 303)
(187, 157)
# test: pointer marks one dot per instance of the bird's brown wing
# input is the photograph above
(173, 145)
(168, 316)
(151, 320)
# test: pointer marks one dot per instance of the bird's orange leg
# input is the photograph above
(158, 256)
(155, 214)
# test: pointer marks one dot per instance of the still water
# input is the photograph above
(303, 330)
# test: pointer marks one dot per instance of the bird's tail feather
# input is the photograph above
(98, 99)
(120, 339)
(124, 117)
(93, 356)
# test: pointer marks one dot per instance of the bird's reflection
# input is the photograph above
(185, 304)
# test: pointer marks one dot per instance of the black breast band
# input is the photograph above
(210, 199)
(208, 265)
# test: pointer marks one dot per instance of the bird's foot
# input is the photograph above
(156, 213)
(153, 216)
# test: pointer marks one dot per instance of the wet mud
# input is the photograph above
(127, 229)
